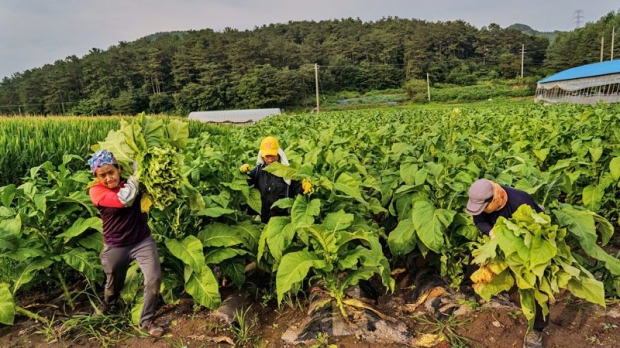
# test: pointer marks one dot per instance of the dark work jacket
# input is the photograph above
(486, 221)
(272, 188)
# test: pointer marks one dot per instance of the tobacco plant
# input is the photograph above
(533, 254)
(48, 225)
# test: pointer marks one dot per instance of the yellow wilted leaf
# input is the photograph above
(427, 340)
(482, 275)
(497, 267)
(475, 286)
(146, 203)
(398, 271)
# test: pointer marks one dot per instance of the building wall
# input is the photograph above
(233, 116)
(589, 90)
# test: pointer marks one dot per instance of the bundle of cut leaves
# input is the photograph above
(154, 146)
(531, 253)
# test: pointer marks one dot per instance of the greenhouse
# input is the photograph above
(248, 116)
(586, 84)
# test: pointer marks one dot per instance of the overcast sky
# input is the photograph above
(37, 32)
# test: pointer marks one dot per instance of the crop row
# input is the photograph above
(392, 180)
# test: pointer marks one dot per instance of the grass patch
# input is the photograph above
(446, 327)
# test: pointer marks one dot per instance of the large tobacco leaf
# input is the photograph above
(7, 305)
(431, 224)
(200, 282)
(340, 250)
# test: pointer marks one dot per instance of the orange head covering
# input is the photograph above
(485, 196)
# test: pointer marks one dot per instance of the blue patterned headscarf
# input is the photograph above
(100, 159)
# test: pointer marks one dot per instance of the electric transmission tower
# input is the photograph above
(578, 18)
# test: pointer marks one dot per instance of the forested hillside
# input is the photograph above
(528, 30)
(274, 65)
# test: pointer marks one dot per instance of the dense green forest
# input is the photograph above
(274, 65)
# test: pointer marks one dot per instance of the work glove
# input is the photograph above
(129, 192)
(134, 167)
(306, 186)
(244, 168)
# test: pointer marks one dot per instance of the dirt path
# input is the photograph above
(573, 323)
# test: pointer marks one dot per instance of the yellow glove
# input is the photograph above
(244, 168)
(306, 186)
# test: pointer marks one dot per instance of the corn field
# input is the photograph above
(29, 141)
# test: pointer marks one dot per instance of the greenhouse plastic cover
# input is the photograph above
(233, 116)
(588, 70)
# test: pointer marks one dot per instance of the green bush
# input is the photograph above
(482, 92)
(416, 90)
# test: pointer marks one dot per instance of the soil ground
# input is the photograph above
(573, 323)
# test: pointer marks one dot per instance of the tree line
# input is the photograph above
(274, 65)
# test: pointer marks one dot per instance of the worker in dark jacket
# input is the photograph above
(271, 187)
(487, 202)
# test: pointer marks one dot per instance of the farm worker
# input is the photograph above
(487, 202)
(126, 237)
(271, 187)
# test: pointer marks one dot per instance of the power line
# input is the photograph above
(357, 65)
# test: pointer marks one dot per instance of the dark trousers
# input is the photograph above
(540, 321)
(115, 262)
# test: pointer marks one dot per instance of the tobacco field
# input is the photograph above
(388, 186)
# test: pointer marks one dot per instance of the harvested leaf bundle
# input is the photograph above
(159, 172)
(154, 146)
(531, 253)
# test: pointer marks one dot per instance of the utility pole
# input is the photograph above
(316, 85)
(428, 87)
(522, 55)
(408, 72)
(602, 46)
(613, 34)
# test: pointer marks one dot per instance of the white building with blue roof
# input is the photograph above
(586, 84)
